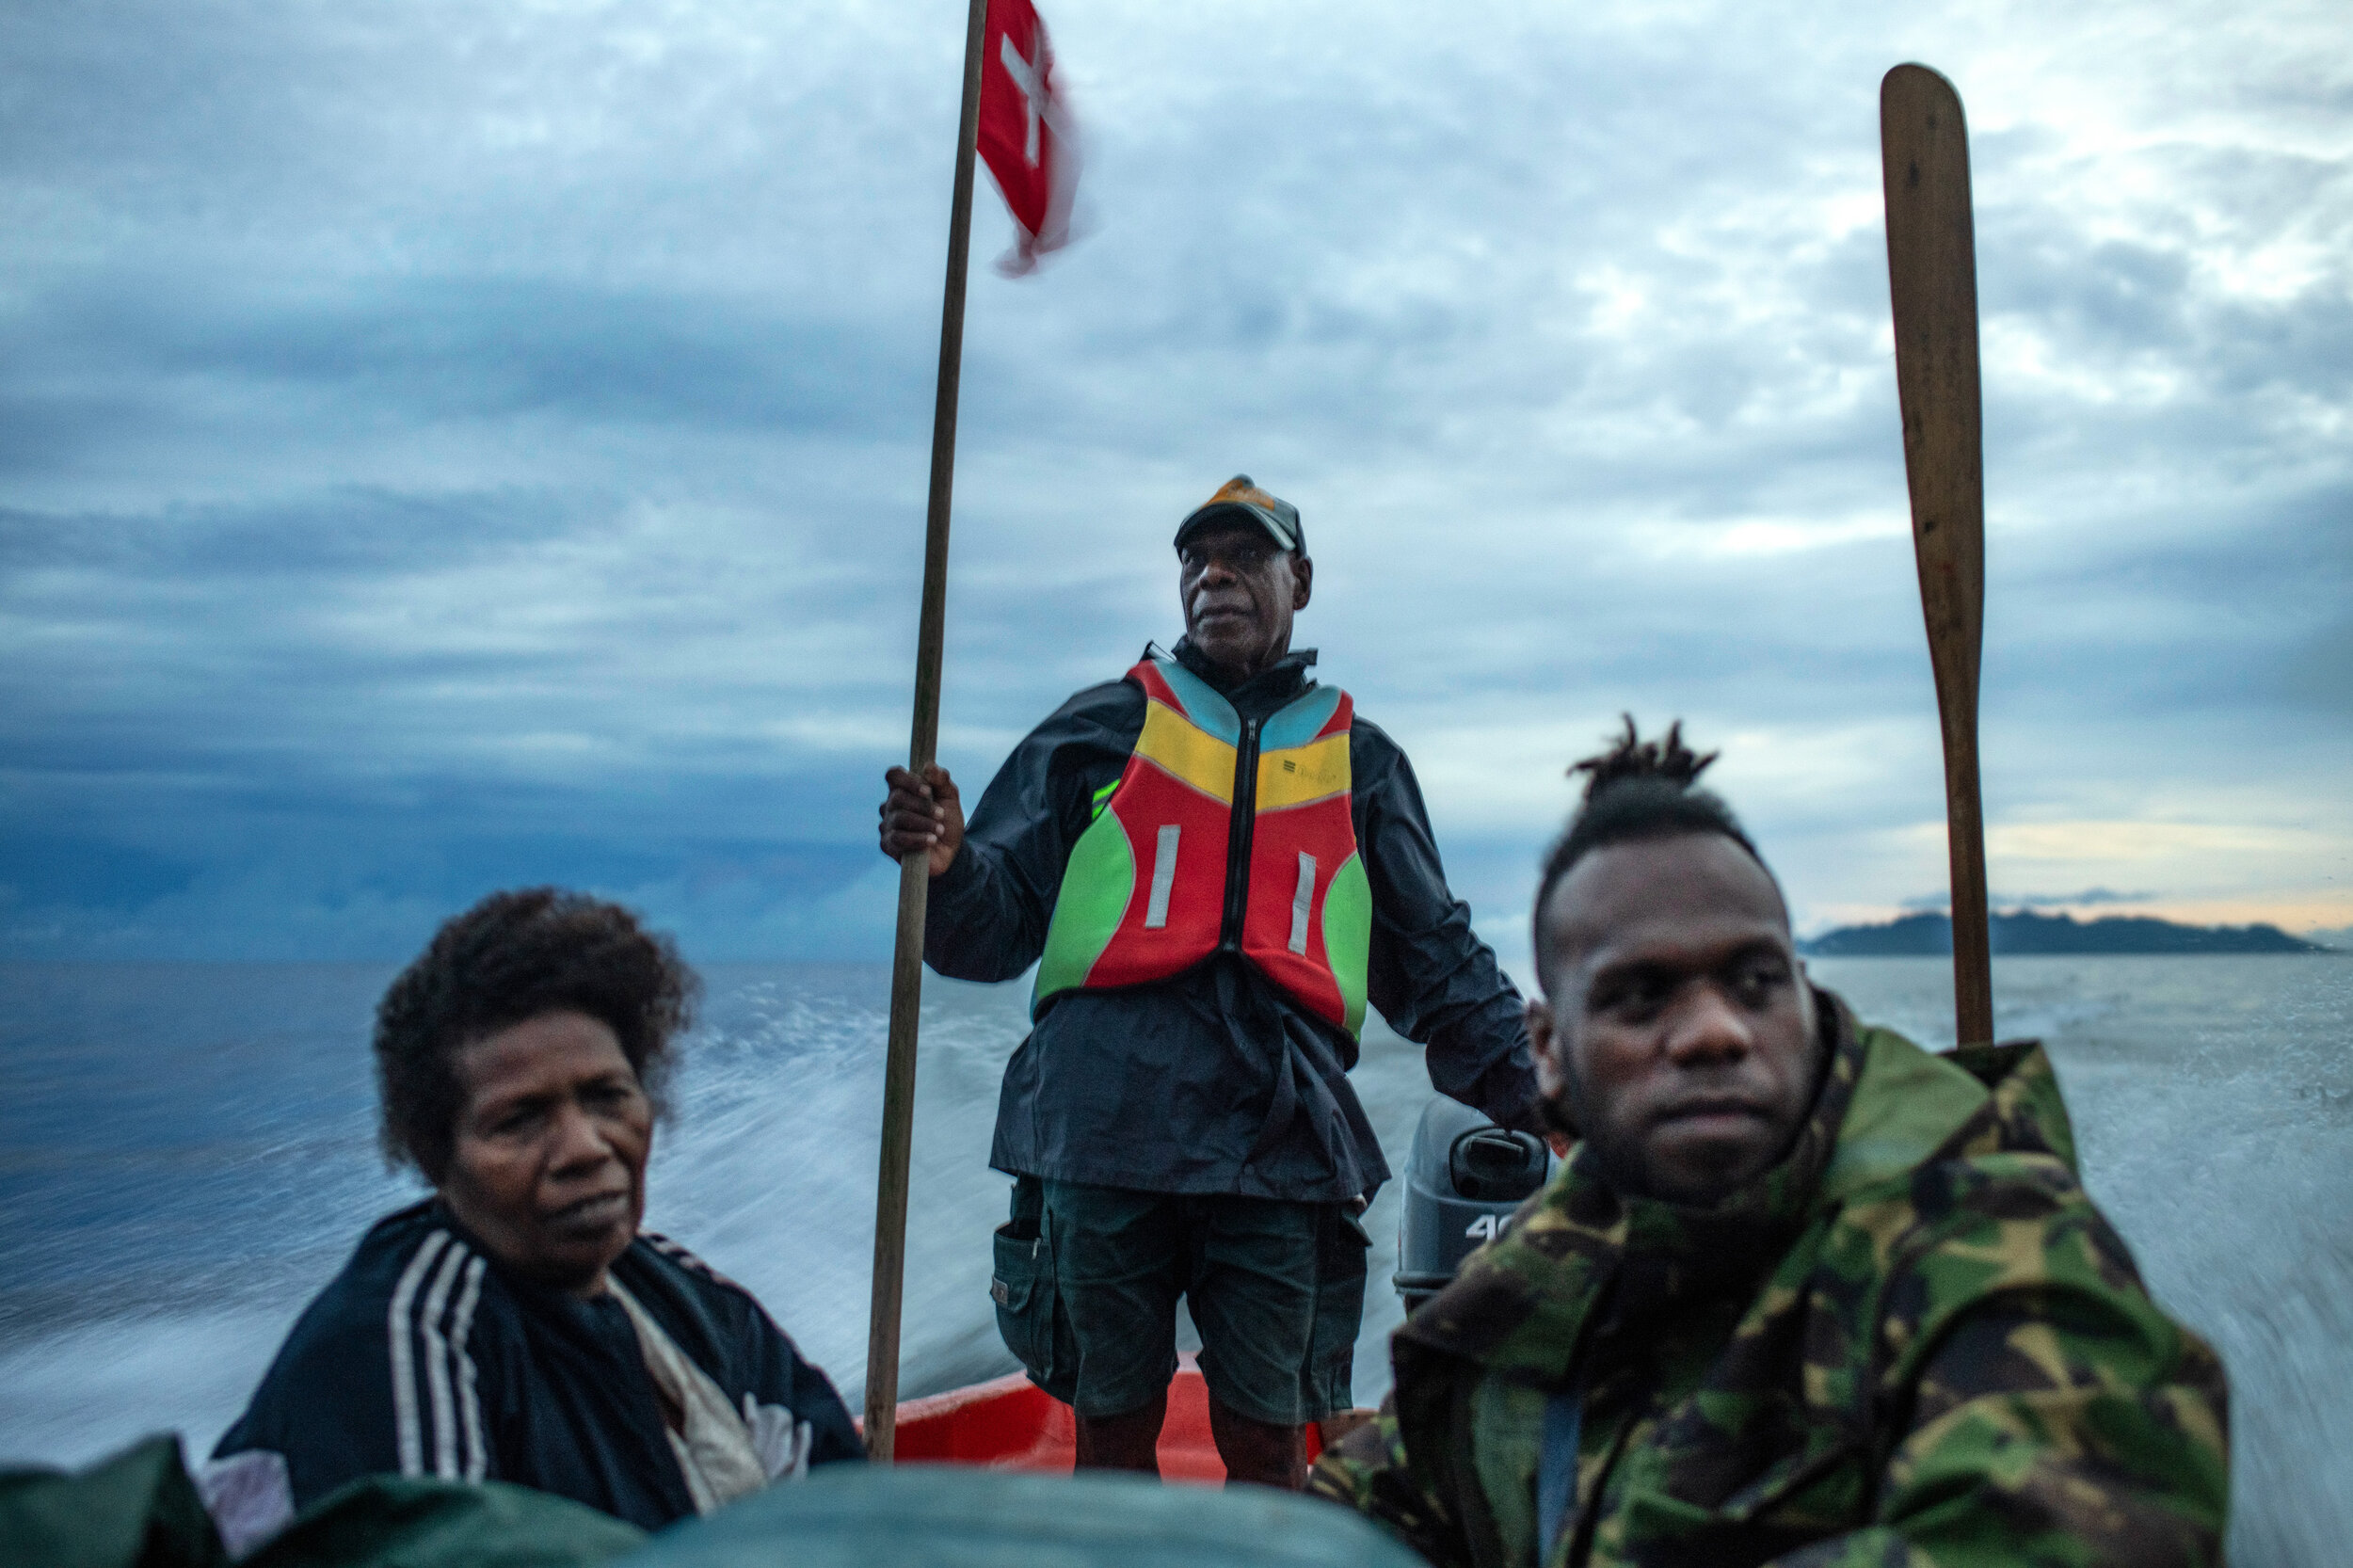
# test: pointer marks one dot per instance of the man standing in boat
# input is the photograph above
(1216, 866)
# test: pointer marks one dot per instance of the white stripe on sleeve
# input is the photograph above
(469, 1393)
(410, 1438)
(437, 1381)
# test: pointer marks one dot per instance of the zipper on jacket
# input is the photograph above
(1238, 837)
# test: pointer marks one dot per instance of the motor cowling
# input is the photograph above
(1463, 1181)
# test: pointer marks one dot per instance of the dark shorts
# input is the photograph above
(1087, 1280)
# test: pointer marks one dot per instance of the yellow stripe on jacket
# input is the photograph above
(1187, 752)
(1297, 774)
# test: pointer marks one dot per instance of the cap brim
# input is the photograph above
(1236, 511)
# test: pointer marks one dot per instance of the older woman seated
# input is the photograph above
(517, 1326)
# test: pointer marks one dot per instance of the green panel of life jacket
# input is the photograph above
(1348, 936)
(1096, 887)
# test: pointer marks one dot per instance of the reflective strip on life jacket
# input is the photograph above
(1151, 887)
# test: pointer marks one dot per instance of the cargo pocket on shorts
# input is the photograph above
(1023, 1282)
(1342, 1250)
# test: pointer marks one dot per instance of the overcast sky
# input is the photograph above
(445, 445)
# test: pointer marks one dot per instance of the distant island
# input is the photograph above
(2023, 931)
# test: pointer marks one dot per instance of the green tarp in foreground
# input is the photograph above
(139, 1509)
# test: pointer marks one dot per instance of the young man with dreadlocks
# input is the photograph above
(1803, 1294)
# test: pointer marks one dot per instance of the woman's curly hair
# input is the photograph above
(1635, 789)
(512, 957)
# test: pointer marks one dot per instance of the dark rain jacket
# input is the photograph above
(1914, 1342)
(424, 1358)
(1214, 1081)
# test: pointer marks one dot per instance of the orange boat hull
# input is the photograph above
(1011, 1424)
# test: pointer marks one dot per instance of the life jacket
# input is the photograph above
(1223, 835)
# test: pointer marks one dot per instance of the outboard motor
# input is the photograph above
(1466, 1178)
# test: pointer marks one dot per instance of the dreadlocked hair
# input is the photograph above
(1638, 789)
(1632, 756)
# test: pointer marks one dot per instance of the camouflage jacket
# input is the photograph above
(1913, 1342)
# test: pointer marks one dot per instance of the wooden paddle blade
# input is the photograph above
(1932, 280)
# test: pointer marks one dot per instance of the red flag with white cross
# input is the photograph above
(1027, 135)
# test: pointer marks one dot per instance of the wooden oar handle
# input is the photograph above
(907, 962)
(1932, 283)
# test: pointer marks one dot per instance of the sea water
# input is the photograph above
(187, 1152)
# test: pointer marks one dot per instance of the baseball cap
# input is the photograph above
(1240, 498)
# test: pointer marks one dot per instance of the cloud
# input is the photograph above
(479, 441)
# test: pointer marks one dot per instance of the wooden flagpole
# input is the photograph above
(1932, 283)
(906, 965)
